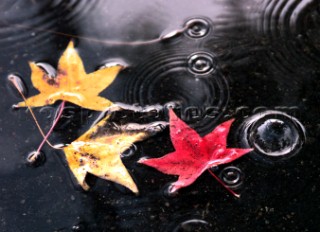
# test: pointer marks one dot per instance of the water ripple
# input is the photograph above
(291, 26)
(33, 23)
(168, 72)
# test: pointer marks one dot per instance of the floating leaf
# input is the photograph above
(194, 154)
(98, 151)
(72, 83)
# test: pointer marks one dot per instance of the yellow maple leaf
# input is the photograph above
(72, 83)
(98, 151)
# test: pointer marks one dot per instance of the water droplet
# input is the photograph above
(201, 63)
(51, 71)
(232, 176)
(193, 225)
(35, 159)
(129, 152)
(197, 28)
(17, 85)
(273, 135)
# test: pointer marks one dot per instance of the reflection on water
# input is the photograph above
(219, 60)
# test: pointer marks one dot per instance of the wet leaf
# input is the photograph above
(72, 83)
(194, 154)
(98, 151)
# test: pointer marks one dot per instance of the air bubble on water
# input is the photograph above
(276, 137)
(273, 135)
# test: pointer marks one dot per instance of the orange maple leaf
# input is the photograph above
(72, 83)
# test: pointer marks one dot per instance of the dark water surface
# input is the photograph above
(254, 60)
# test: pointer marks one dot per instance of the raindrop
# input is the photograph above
(51, 71)
(273, 135)
(232, 176)
(193, 225)
(16, 85)
(197, 28)
(35, 159)
(201, 63)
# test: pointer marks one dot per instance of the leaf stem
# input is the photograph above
(223, 184)
(12, 79)
(52, 127)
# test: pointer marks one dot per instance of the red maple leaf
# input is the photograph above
(194, 154)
